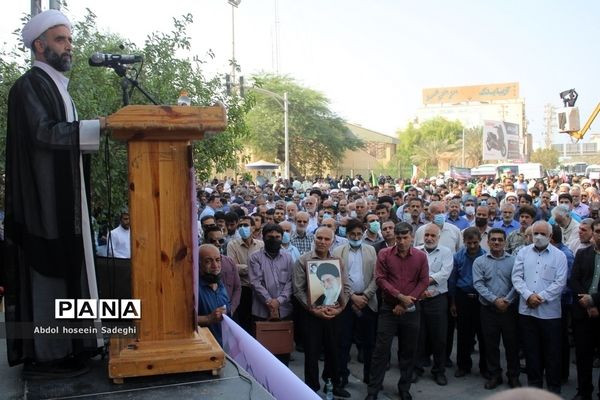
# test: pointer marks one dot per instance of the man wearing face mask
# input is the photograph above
(286, 238)
(470, 210)
(539, 276)
(230, 275)
(372, 235)
(450, 235)
(270, 271)
(339, 240)
(481, 223)
(239, 250)
(360, 314)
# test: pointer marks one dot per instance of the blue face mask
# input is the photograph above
(244, 232)
(342, 231)
(285, 239)
(439, 219)
(374, 226)
(326, 215)
(355, 243)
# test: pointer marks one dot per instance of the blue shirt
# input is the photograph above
(209, 300)
(567, 295)
(460, 222)
(462, 273)
(492, 278)
(543, 272)
(513, 226)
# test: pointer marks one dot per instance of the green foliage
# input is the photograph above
(547, 157)
(473, 148)
(424, 145)
(97, 92)
(318, 138)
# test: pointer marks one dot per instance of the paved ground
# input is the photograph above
(467, 388)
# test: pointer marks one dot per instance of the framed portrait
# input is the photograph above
(324, 282)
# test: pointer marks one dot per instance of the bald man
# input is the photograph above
(213, 301)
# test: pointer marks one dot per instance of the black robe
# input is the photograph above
(43, 220)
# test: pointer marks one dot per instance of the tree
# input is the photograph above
(473, 147)
(425, 144)
(547, 157)
(317, 137)
(168, 68)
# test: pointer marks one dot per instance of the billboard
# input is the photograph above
(461, 94)
(500, 141)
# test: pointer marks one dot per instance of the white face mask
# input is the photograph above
(470, 210)
(540, 241)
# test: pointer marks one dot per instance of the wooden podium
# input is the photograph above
(164, 268)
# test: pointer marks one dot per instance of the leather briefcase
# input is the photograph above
(276, 336)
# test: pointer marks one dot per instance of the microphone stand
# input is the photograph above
(126, 81)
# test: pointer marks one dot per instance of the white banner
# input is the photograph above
(500, 141)
(275, 377)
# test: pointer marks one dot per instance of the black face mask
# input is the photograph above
(481, 222)
(211, 278)
(272, 246)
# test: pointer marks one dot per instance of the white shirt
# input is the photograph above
(441, 262)
(542, 272)
(119, 242)
(450, 237)
(571, 235)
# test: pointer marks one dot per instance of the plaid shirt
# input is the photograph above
(304, 243)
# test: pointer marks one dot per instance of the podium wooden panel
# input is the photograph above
(164, 271)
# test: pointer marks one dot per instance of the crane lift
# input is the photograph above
(568, 117)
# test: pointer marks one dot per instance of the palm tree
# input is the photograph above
(433, 154)
(473, 147)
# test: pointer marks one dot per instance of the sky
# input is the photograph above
(372, 59)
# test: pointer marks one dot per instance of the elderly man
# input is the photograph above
(286, 241)
(358, 320)
(229, 270)
(579, 207)
(321, 324)
(570, 227)
(434, 305)
(539, 276)
(270, 271)
(339, 240)
(586, 319)
(47, 225)
(213, 301)
(508, 223)
(585, 234)
(302, 239)
(399, 312)
(492, 274)
(482, 214)
(450, 235)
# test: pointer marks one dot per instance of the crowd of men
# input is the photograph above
(507, 259)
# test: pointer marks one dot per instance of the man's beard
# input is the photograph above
(60, 62)
(331, 294)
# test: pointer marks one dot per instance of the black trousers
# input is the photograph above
(542, 341)
(388, 325)
(361, 327)
(320, 334)
(433, 330)
(243, 314)
(494, 325)
(468, 325)
(565, 356)
(586, 333)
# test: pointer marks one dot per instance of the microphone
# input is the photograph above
(108, 60)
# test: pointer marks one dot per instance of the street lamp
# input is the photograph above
(234, 5)
(283, 103)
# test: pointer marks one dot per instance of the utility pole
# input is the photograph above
(234, 4)
(549, 124)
